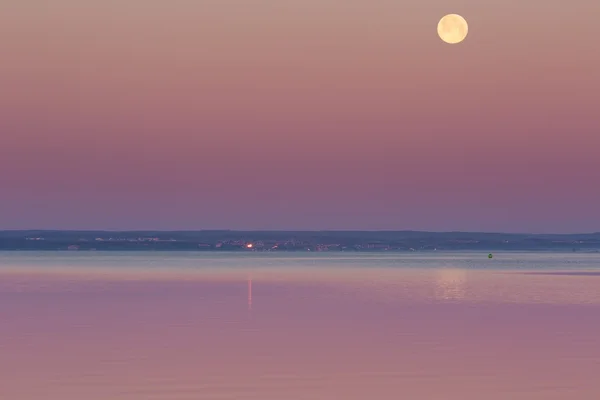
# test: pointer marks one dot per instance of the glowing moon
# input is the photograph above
(452, 28)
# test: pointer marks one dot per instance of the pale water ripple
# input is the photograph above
(432, 327)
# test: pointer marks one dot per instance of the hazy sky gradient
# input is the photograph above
(137, 114)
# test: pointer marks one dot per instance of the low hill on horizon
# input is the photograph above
(232, 240)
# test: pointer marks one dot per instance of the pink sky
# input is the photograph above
(291, 114)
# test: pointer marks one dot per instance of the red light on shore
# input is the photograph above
(249, 245)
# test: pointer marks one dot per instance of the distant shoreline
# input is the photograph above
(277, 241)
(443, 251)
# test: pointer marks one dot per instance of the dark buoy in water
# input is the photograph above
(490, 255)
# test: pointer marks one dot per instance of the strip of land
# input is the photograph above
(226, 240)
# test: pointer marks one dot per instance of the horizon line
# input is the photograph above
(295, 230)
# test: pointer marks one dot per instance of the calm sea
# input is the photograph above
(291, 326)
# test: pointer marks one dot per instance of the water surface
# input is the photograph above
(443, 326)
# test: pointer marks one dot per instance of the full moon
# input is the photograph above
(452, 28)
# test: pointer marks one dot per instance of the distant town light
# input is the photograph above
(249, 245)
